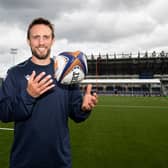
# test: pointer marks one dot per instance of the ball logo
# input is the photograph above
(75, 76)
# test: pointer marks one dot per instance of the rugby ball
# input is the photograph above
(70, 67)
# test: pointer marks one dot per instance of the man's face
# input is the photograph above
(40, 41)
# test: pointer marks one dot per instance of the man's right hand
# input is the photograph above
(37, 85)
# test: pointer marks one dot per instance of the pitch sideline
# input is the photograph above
(7, 129)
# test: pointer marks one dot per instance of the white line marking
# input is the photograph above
(8, 129)
(125, 106)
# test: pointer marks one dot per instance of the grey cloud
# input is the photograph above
(101, 29)
(17, 4)
(23, 11)
(114, 5)
(35, 4)
(102, 35)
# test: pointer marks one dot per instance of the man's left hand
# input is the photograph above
(89, 100)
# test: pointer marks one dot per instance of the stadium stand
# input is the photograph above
(141, 74)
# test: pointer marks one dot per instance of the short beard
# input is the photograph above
(40, 57)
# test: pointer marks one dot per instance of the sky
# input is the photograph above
(92, 26)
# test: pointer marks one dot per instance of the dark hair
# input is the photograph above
(43, 21)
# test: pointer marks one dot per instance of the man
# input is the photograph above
(31, 97)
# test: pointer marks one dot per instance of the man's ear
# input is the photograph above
(53, 40)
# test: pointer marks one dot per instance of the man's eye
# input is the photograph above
(46, 37)
(36, 37)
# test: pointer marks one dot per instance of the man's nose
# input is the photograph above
(41, 40)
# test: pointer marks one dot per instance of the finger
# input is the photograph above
(47, 88)
(86, 108)
(91, 106)
(45, 85)
(33, 74)
(39, 77)
(94, 101)
(45, 80)
(89, 89)
(95, 94)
